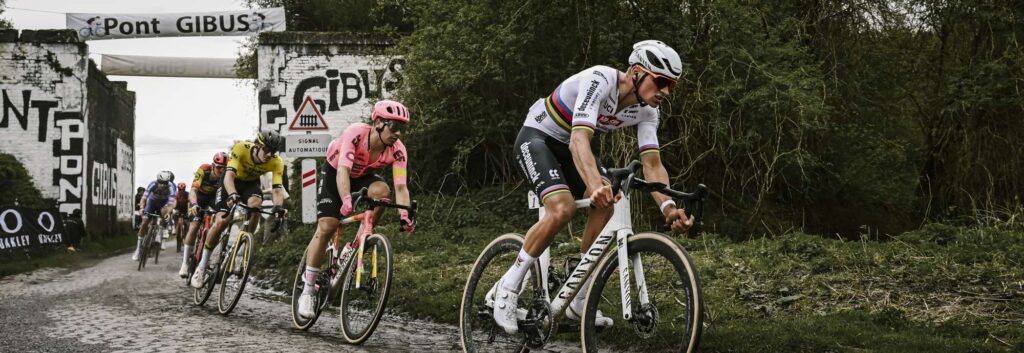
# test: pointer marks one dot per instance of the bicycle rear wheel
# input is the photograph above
(477, 330)
(235, 273)
(362, 308)
(672, 318)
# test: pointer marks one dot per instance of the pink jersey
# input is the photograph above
(354, 145)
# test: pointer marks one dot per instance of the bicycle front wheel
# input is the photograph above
(362, 307)
(477, 330)
(236, 273)
(321, 297)
(667, 313)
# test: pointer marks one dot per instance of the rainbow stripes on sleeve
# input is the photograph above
(650, 148)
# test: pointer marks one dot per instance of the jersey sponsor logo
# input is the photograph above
(540, 117)
(609, 120)
(357, 140)
(589, 96)
(528, 164)
(351, 156)
(399, 156)
(553, 173)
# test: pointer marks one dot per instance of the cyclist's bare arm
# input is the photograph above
(583, 157)
(654, 171)
(344, 184)
(277, 195)
(229, 182)
(402, 194)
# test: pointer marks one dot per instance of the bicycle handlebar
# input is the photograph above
(625, 179)
(278, 222)
(363, 196)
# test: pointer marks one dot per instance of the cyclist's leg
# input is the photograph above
(220, 221)
(596, 218)
(376, 189)
(251, 193)
(328, 213)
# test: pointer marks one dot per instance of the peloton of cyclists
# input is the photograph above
(249, 160)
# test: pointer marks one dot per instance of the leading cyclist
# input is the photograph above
(555, 151)
(249, 160)
(352, 160)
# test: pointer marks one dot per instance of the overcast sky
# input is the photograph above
(179, 122)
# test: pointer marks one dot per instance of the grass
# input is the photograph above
(93, 249)
(940, 288)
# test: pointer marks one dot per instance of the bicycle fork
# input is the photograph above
(624, 282)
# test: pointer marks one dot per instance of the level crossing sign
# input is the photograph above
(308, 117)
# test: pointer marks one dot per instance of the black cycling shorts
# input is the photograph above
(245, 189)
(328, 201)
(547, 164)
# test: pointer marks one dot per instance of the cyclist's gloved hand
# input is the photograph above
(346, 205)
(279, 211)
(233, 199)
(407, 223)
(193, 209)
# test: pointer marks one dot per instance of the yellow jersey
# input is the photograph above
(246, 170)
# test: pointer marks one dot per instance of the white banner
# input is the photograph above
(92, 26)
(134, 65)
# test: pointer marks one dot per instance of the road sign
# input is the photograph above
(308, 117)
(308, 191)
(300, 145)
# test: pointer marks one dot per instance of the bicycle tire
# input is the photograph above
(473, 311)
(358, 336)
(145, 246)
(685, 280)
(230, 268)
(156, 248)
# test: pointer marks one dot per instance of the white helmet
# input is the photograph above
(657, 57)
(165, 176)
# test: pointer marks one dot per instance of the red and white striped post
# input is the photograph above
(308, 190)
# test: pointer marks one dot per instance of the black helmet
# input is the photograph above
(271, 140)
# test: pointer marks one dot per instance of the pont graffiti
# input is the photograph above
(68, 149)
(19, 110)
(346, 88)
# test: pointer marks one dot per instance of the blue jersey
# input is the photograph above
(155, 192)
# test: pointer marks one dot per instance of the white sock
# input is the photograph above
(514, 277)
(187, 251)
(138, 245)
(205, 260)
(309, 280)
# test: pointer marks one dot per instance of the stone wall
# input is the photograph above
(67, 124)
(341, 73)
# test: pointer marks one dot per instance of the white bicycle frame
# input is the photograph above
(620, 227)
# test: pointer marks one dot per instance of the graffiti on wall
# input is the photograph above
(69, 149)
(60, 135)
(112, 184)
(341, 89)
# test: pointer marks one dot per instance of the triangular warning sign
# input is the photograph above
(308, 117)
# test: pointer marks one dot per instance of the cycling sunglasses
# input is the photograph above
(394, 125)
(659, 80)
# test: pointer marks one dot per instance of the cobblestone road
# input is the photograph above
(111, 307)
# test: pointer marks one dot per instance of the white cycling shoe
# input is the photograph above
(505, 304)
(136, 256)
(198, 278)
(183, 272)
(599, 321)
(306, 306)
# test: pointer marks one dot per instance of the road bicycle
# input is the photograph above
(180, 228)
(192, 260)
(151, 241)
(235, 270)
(659, 293)
(343, 278)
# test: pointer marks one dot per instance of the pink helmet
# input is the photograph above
(390, 110)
